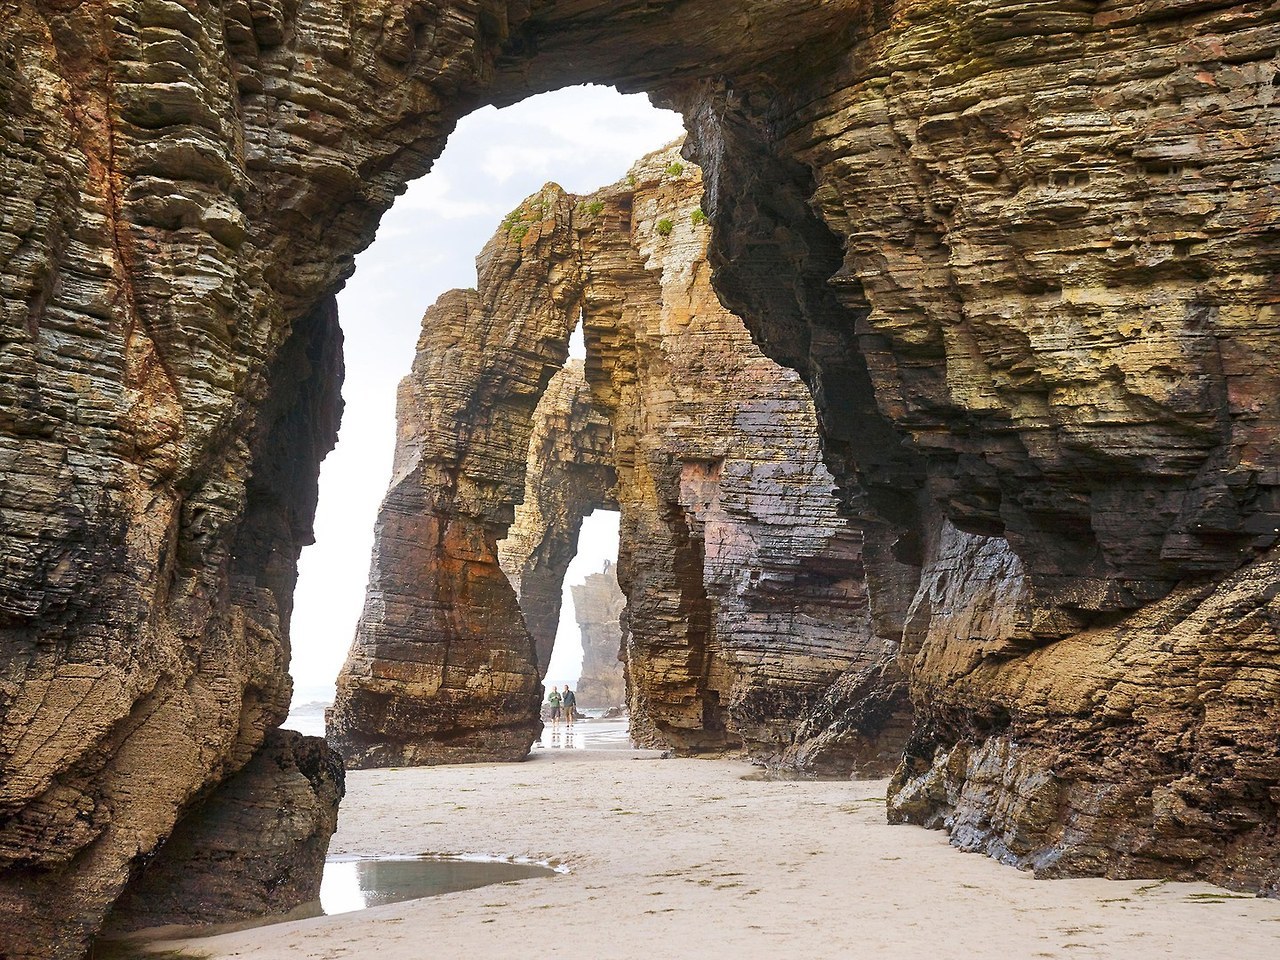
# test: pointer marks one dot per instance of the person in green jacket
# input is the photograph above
(554, 699)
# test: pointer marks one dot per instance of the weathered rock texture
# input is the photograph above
(442, 668)
(1034, 295)
(569, 475)
(746, 598)
(255, 849)
(598, 603)
(745, 591)
(1047, 319)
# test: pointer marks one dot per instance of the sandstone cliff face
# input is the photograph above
(598, 603)
(168, 386)
(442, 667)
(745, 587)
(1050, 231)
(570, 474)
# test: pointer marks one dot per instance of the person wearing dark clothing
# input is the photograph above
(569, 701)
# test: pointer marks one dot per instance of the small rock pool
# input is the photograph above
(355, 883)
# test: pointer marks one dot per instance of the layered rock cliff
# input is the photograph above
(442, 667)
(1023, 254)
(569, 475)
(1030, 277)
(255, 849)
(598, 603)
(746, 597)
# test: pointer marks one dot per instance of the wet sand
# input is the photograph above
(685, 857)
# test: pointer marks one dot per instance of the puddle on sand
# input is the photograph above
(586, 734)
(352, 883)
(349, 884)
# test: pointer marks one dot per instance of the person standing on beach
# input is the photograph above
(570, 701)
(553, 698)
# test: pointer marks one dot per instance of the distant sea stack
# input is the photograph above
(598, 603)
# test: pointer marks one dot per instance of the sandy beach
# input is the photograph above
(700, 858)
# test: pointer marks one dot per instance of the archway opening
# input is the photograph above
(586, 656)
(426, 245)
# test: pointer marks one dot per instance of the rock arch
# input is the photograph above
(1024, 258)
(746, 597)
(570, 475)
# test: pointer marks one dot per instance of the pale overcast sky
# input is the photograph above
(582, 138)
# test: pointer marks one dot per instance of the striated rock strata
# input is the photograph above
(569, 474)
(745, 598)
(442, 668)
(1023, 254)
(598, 603)
(256, 848)
(1030, 277)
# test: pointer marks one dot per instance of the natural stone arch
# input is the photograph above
(188, 187)
(746, 598)
(570, 475)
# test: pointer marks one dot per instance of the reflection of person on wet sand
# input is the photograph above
(553, 698)
(570, 701)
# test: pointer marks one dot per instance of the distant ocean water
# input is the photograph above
(307, 717)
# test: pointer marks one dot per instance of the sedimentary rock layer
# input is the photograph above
(1037, 304)
(745, 587)
(598, 603)
(1033, 295)
(442, 667)
(569, 474)
(255, 849)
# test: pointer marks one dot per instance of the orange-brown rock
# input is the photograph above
(1023, 254)
(442, 668)
(745, 598)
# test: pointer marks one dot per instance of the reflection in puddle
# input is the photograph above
(351, 884)
(586, 735)
(348, 884)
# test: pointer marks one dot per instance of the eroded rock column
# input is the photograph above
(746, 597)
(570, 474)
(598, 603)
(442, 668)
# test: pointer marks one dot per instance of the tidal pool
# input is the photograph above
(355, 883)
(352, 883)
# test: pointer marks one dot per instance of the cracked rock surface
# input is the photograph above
(1022, 252)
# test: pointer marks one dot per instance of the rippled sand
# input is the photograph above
(686, 857)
